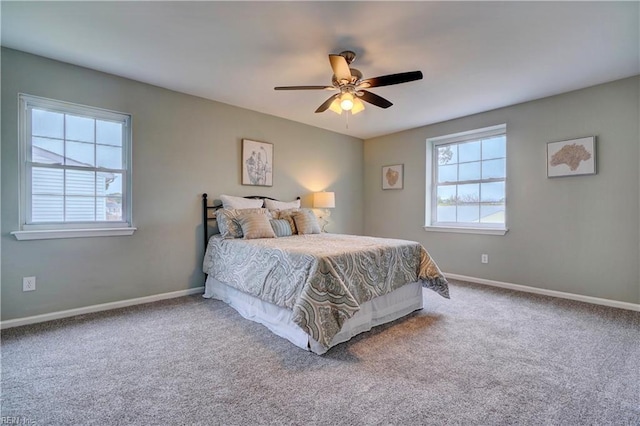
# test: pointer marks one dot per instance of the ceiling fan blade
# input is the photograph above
(327, 103)
(387, 80)
(340, 67)
(374, 99)
(304, 88)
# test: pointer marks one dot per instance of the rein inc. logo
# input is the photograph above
(16, 420)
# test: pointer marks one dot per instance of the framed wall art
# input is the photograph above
(392, 176)
(571, 157)
(257, 163)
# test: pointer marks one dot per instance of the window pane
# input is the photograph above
(493, 202)
(109, 157)
(469, 193)
(101, 208)
(448, 173)
(447, 195)
(47, 181)
(47, 151)
(469, 171)
(109, 184)
(492, 213)
(80, 128)
(493, 192)
(80, 209)
(113, 209)
(469, 213)
(446, 213)
(47, 208)
(446, 208)
(494, 169)
(45, 123)
(79, 182)
(494, 147)
(469, 151)
(108, 133)
(80, 154)
(447, 154)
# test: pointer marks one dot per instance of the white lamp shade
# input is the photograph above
(324, 200)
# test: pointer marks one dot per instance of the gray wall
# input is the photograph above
(182, 146)
(579, 234)
(574, 234)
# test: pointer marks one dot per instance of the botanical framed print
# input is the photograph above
(571, 157)
(257, 163)
(392, 176)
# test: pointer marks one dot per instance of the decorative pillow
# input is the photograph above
(255, 225)
(306, 222)
(281, 227)
(227, 224)
(281, 205)
(288, 216)
(230, 202)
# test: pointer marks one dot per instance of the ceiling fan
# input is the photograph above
(351, 87)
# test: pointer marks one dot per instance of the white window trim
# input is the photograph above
(466, 230)
(72, 233)
(461, 228)
(70, 229)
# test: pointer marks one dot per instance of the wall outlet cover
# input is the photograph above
(28, 283)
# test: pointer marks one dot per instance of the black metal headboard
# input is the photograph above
(206, 208)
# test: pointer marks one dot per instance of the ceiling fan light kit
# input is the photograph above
(346, 101)
(350, 86)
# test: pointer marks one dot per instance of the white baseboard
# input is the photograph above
(148, 299)
(98, 308)
(545, 292)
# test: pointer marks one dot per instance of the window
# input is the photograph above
(75, 170)
(466, 179)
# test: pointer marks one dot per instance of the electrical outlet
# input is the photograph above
(484, 258)
(28, 283)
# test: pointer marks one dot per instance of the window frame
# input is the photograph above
(48, 230)
(432, 184)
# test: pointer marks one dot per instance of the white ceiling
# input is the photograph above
(475, 56)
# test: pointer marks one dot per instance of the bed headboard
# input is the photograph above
(206, 208)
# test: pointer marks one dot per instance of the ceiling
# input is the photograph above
(475, 56)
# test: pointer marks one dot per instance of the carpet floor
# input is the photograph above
(487, 356)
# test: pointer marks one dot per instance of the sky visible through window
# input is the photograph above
(471, 181)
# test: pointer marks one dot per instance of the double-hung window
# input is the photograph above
(466, 181)
(75, 170)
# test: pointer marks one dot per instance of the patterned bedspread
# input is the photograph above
(322, 278)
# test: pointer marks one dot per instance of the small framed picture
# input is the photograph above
(392, 176)
(571, 157)
(257, 163)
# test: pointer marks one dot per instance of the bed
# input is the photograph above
(315, 289)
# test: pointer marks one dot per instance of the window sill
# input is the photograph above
(466, 230)
(71, 233)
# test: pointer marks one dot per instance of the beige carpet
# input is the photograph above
(486, 357)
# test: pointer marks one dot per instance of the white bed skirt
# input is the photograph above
(380, 310)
